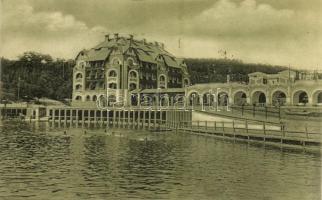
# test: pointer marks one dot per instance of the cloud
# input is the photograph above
(61, 35)
(228, 19)
(247, 29)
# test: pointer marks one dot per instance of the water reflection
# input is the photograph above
(42, 162)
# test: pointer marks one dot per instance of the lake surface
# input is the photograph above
(38, 162)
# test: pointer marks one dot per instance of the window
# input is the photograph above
(112, 86)
(78, 87)
(186, 82)
(116, 61)
(88, 98)
(265, 81)
(79, 75)
(130, 61)
(78, 98)
(133, 74)
(112, 73)
(132, 86)
(162, 78)
(92, 86)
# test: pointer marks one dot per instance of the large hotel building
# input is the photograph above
(127, 69)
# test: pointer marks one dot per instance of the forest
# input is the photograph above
(34, 75)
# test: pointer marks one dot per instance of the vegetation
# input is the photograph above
(36, 75)
(216, 70)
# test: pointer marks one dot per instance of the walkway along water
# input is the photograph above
(181, 120)
(155, 119)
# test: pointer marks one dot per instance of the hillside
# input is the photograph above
(216, 70)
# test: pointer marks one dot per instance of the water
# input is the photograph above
(37, 163)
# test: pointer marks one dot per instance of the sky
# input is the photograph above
(277, 32)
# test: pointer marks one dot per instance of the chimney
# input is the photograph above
(107, 37)
(144, 41)
(116, 36)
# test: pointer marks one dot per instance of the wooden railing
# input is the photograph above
(262, 130)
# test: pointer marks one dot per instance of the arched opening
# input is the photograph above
(278, 98)
(132, 86)
(240, 98)
(130, 61)
(300, 98)
(111, 100)
(112, 85)
(259, 98)
(88, 98)
(222, 99)
(134, 100)
(133, 74)
(317, 97)
(208, 99)
(78, 87)
(79, 75)
(78, 98)
(164, 100)
(162, 78)
(194, 99)
(94, 98)
(112, 73)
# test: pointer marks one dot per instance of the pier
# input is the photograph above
(136, 118)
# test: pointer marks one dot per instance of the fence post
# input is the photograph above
(264, 129)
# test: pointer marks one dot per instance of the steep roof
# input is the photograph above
(146, 52)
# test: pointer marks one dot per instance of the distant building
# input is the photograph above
(123, 67)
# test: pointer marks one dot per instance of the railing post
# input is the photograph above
(215, 125)
(206, 125)
(223, 128)
(306, 132)
(246, 126)
(234, 126)
(264, 129)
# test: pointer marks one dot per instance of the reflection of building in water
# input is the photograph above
(285, 88)
(123, 66)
